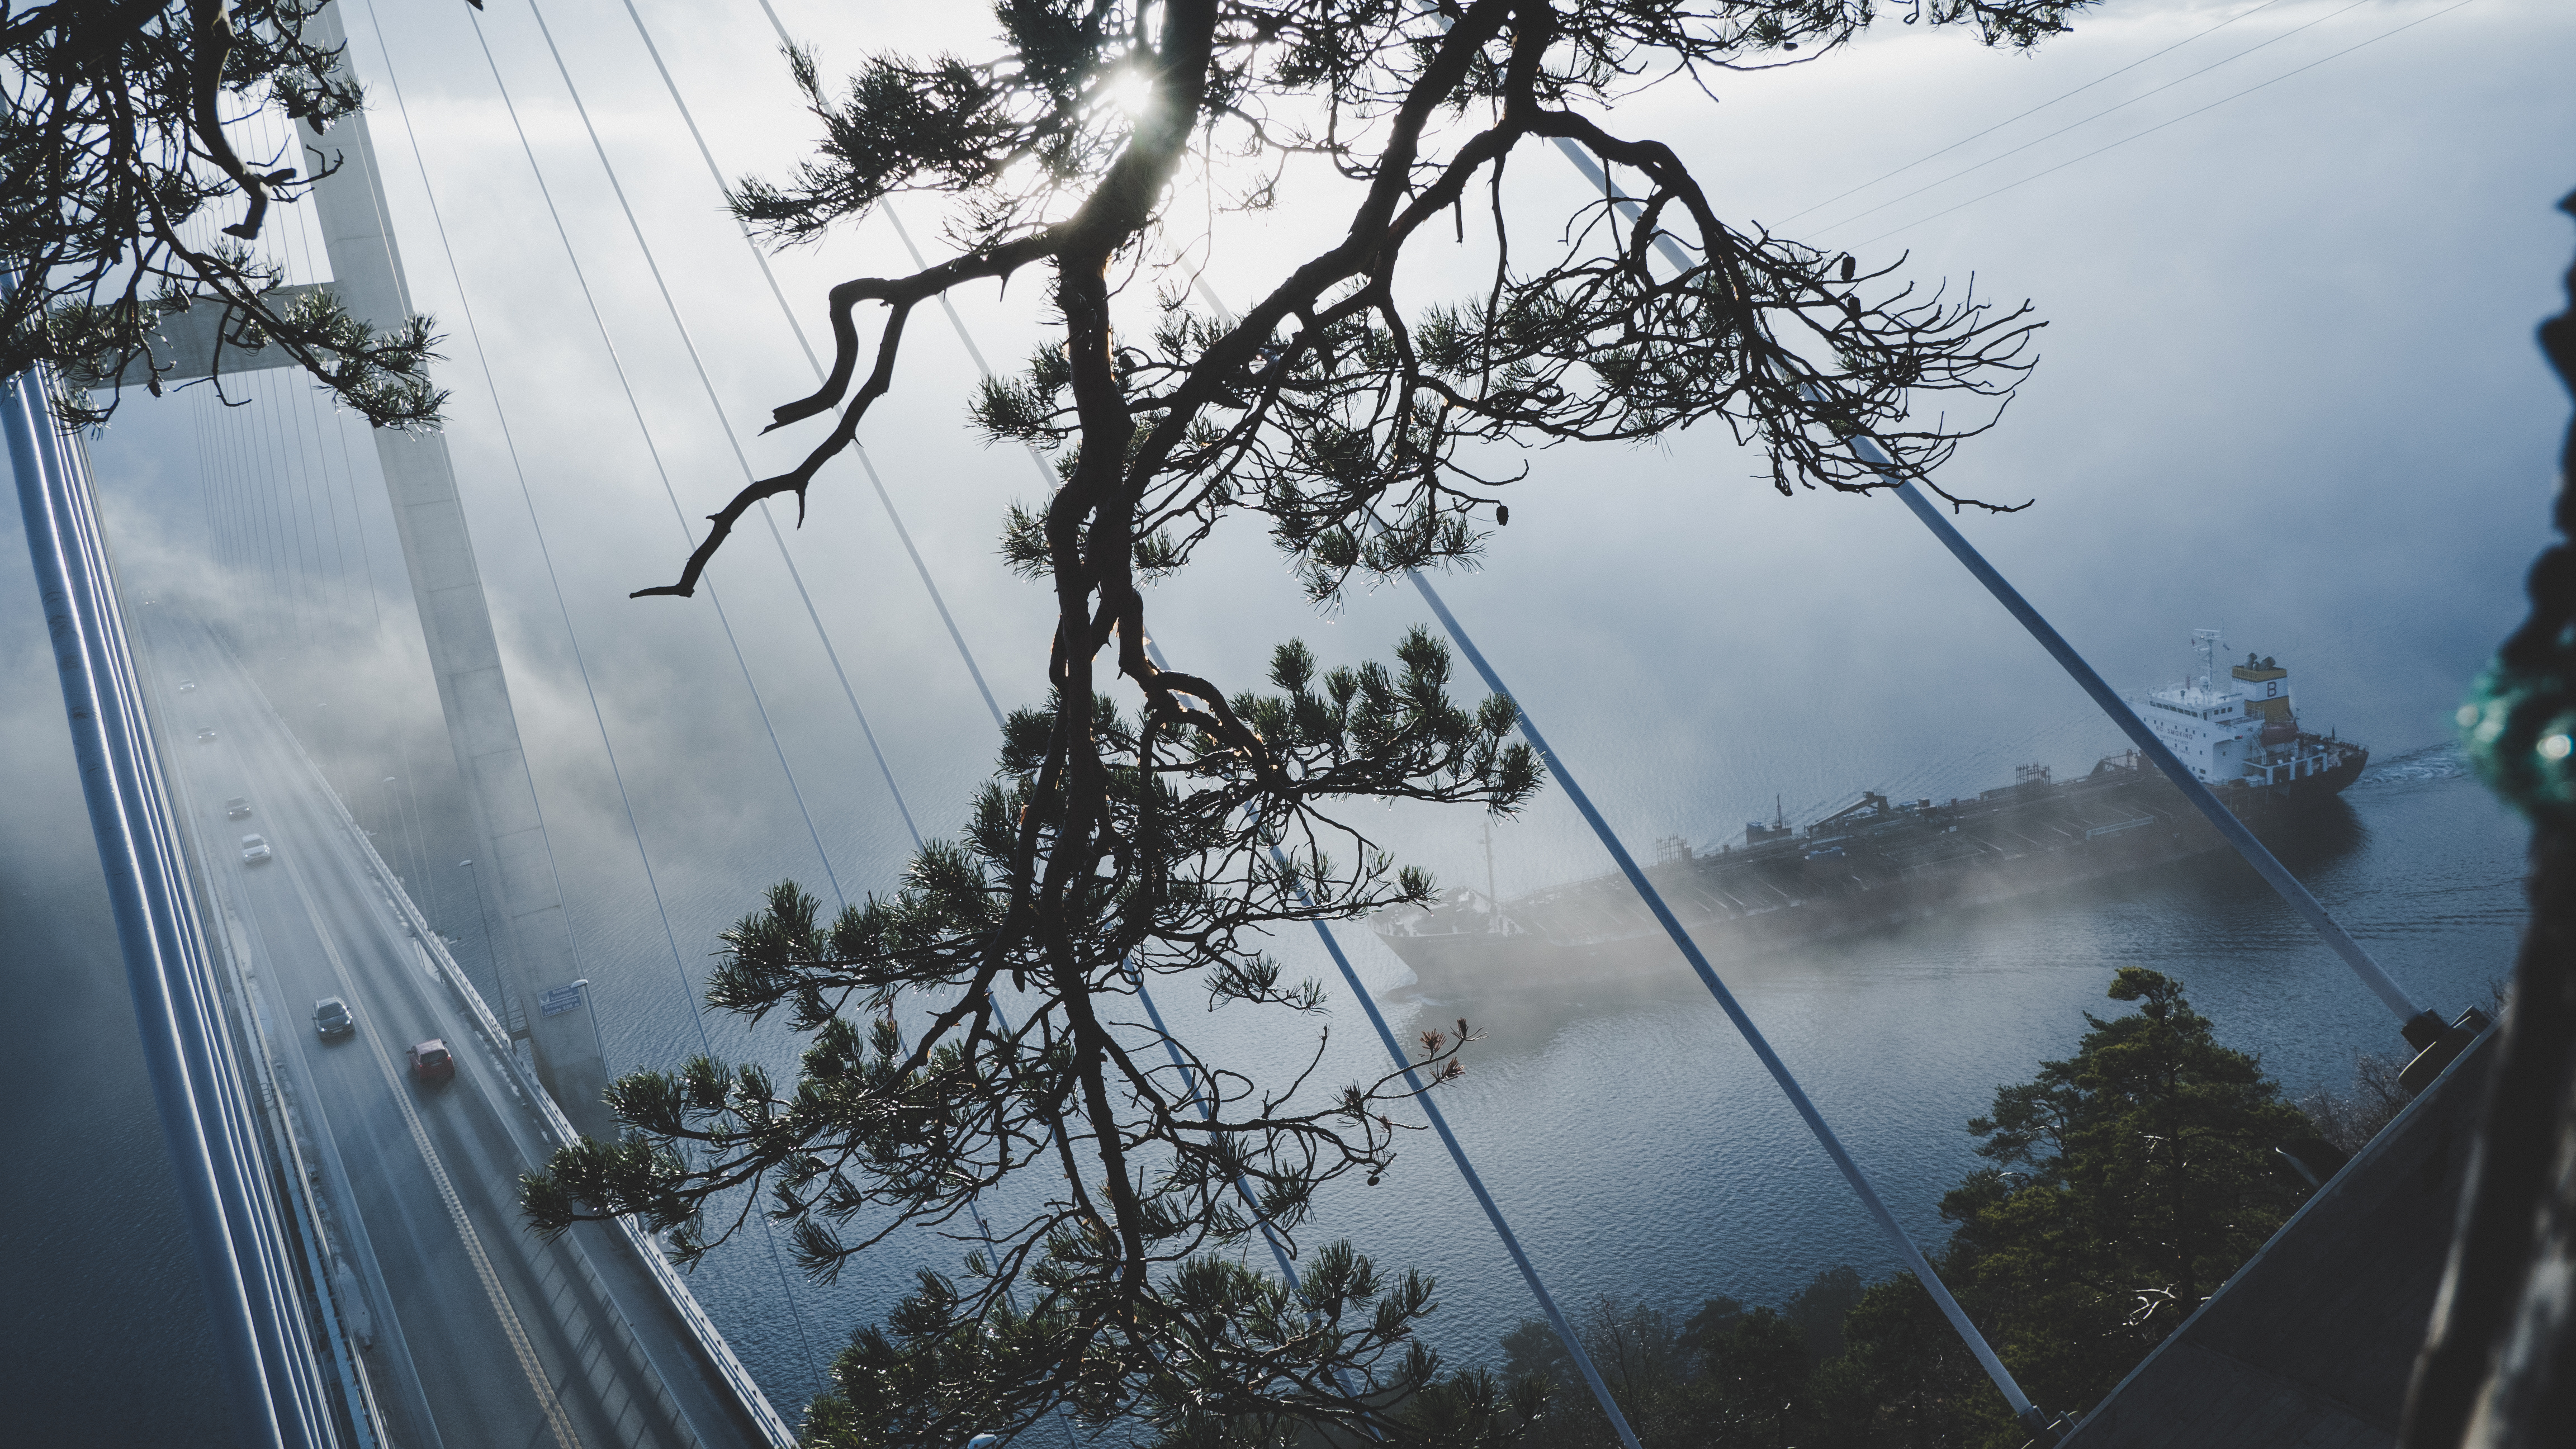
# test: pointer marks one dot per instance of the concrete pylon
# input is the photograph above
(536, 951)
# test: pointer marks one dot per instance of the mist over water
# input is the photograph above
(1645, 1154)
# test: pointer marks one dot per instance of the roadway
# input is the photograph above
(474, 1332)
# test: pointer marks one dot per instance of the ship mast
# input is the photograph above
(2208, 643)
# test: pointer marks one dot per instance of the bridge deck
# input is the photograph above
(477, 1332)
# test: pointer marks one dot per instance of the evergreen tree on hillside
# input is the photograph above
(2130, 1181)
(1731, 1374)
(1905, 1379)
(1755, 1380)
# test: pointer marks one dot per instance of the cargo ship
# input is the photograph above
(1879, 862)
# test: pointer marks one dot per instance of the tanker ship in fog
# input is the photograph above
(1880, 862)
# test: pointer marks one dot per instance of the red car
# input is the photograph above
(431, 1063)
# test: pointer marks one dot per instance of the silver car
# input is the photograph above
(254, 850)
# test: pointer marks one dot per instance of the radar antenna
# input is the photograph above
(2208, 644)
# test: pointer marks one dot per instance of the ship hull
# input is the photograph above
(1745, 903)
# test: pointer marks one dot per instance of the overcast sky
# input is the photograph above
(2288, 388)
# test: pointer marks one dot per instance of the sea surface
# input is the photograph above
(1629, 1135)
(1641, 1152)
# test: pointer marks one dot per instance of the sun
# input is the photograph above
(1133, 92)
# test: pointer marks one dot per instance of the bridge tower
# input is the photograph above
(456, 620)
(534, 954)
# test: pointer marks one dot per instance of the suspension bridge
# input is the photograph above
(376, 1284)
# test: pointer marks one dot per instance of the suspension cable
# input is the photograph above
(296, 237)
(259, 528)
(636, 408)
(671, 305)
(290, 511)
(2160, 125)
(250, 519)
(272, 476)
(250, 539)
(311, 451)
(563, 610)
(219, 519)
(2088, 120)
(205, 495)
(2422, 1025)
(778, 294)
(358, 521)
(2033, 111)
(281, 519)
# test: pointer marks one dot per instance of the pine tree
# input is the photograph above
(1156, 823)
(125, 126)
(1754, 1379)
(2131, 1180)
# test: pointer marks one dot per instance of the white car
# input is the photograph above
(254, 850)
(186, 685)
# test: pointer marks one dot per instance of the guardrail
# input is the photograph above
(719, 1354)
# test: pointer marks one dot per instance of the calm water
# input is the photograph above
(1631, 1137)
(1641, 1152)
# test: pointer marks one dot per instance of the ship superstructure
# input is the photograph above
(1878, 862)
(2241, 728)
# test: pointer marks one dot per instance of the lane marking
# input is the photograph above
(557, 1419)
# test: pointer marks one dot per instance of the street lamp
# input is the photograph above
(415, 838)
(385, 794)
(489, 954)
